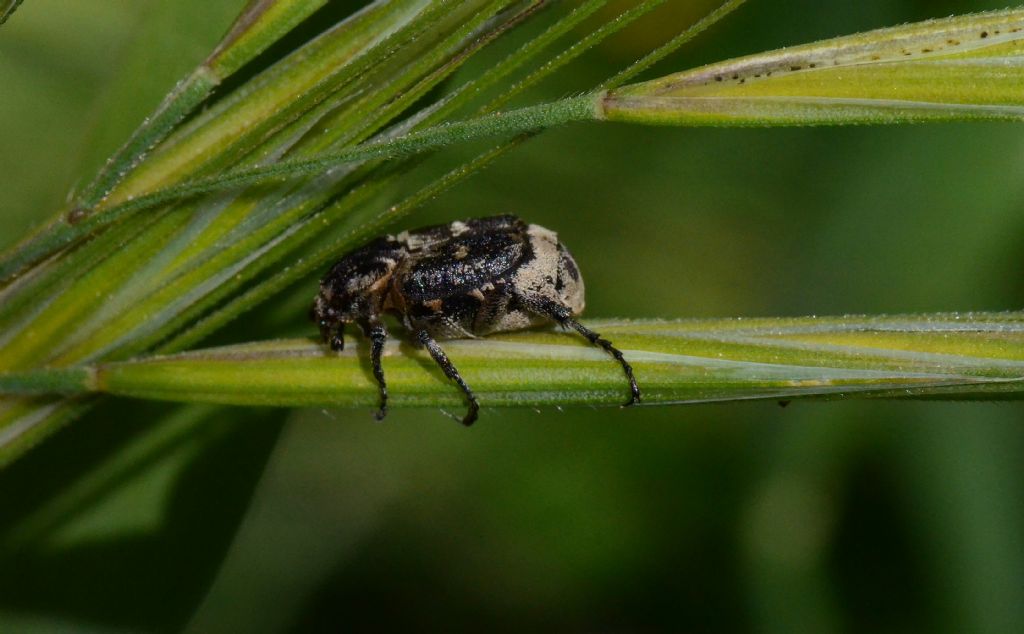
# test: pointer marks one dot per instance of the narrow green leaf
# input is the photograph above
(363, 228)
(968, 67)
(577, 48)
(509, 123)
(7, 9)
(528, 51)
(233, 126)
(260, 24)
(27, 421)
(273, 99)
(37, 343)
(965, 356)
(51, 381)
(176, 283)
(672, 45)
(366, 227)
(178, 288)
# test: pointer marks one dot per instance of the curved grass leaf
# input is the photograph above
(260, 24)
(966, 67)
(672, 45)
(963, 356)
(7, 9)
(962, 68)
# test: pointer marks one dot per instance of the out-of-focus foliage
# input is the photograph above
(858, 516)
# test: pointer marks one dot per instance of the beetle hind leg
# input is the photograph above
(564, 318)
(598, 340)
(449, 370)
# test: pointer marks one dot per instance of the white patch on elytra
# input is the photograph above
(572, 291)
(539, 276)
(515, 320)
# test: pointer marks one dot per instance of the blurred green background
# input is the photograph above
(823, 517)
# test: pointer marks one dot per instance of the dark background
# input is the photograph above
(821, 517)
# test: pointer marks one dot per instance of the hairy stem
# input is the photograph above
(951, 356)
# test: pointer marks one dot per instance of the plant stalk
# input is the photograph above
(951, 356)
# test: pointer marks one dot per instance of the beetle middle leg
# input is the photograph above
(449, 370)
(377, 335)
(564, 318)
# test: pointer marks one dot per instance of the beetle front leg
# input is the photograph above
(333, 335)
(377, 335)
(449, 370)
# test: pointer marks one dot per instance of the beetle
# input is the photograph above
(466, 279)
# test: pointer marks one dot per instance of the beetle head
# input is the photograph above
(355, 288)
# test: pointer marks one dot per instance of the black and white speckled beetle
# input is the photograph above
(463, 280)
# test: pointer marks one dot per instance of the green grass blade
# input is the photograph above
(315, 260)
(586, 43)
(672, 45)
(416, 78)
(7, 9)
(25, 422)
(961, 68)
(274, 98)
(201, 271)
(310, 262)
(528, 51)
(959, 356)
(509, 123)
(260, 24)
(245, 242)
(343, 56)
(499, 124)
(867, 78)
